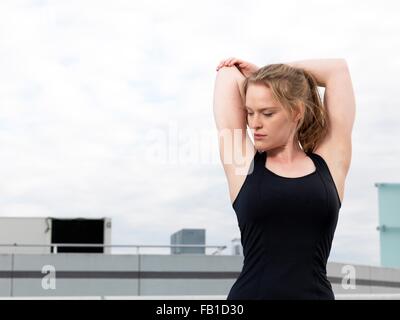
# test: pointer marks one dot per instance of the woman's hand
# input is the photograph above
(246, 68)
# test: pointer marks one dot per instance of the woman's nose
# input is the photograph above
(255, 123)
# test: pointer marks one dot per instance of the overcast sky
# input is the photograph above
(106, 108)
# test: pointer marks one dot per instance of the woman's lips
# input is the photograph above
(259, 136)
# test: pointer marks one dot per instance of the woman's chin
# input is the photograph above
(259, 144)
(260, 147)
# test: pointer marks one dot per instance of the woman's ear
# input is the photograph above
(299, 113)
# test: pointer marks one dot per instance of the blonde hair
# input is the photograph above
(292, 87)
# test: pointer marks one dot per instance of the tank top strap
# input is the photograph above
(256, 163)
(320, 163)
(259, 160)
(324, 171)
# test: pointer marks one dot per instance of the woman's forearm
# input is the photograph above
(321, 69)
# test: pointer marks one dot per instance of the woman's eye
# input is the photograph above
(268, 114)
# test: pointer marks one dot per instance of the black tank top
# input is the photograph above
(287, 227)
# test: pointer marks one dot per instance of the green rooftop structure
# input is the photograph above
(389, 223)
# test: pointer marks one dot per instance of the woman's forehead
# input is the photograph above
(259, 94)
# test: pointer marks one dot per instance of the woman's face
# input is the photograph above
(265, 116)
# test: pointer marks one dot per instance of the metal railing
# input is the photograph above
(137, 246)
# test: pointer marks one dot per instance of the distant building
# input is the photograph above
(188, 236)
(237, 249)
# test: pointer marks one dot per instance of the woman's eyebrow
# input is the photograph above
(262, 109)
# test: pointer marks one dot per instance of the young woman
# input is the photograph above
(287, 188)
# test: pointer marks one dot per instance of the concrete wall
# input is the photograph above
(159, 275)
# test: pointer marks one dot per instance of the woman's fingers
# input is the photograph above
(232, 61)
(222, 63)
(229, 62)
